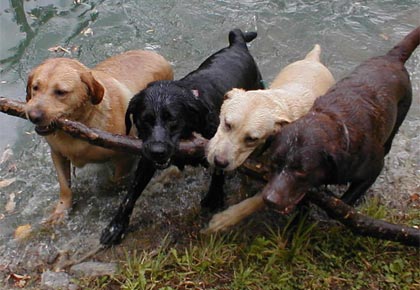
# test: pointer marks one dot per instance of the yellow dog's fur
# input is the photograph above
(248, 118)
(98, 98)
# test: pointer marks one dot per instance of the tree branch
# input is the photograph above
(188, 150)
(193, 151)
(361, 224)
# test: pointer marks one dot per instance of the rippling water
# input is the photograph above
(185, 32)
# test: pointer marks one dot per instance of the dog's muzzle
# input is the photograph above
(37, 117)
(159, 154)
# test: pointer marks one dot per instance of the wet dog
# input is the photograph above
(165, 112)
(342, 139)
(248, 118)
(98, 98)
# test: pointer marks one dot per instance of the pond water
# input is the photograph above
(185, 32)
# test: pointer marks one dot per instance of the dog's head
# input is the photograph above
(247, 119)
(162, 114)
(305, 156)
(60, 88)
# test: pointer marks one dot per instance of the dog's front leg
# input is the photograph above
(114, 232)
(215, 197)
(367, 176)
(234, 214)
(123, 166)
(62, 166)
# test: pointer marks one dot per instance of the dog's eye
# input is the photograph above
(168, 116)
(249, 139)
(300, 173)
(35, 88)
(148, 119)
(59, 92)
(297, 170)
(228, 126)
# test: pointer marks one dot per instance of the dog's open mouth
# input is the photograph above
(284, 204)
(45, 130)
(162, 165)
(288, 208)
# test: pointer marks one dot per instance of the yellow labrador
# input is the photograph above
(98, 98)
(248, 118)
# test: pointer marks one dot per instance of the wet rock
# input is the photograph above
(93, 269)
(55, 280)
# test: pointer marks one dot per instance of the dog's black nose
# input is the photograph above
(221, 162)
(35, 116)
(157, 151)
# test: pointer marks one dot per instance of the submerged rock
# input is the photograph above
(55, 280)
(93, 269)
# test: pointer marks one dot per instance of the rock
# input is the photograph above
(55, 280)
(93, 269)
(23, 232)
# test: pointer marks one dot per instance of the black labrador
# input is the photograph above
(347, 133)
(167, 111)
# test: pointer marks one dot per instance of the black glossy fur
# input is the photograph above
(167, 111)
(346, 134)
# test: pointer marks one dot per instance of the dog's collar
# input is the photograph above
(346, 135)
(195, 93)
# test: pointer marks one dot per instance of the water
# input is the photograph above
(185, 32)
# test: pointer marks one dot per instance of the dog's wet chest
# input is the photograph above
(77, 151)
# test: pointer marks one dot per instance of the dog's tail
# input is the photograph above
(314, 54)
(403, 50)
(237, 36)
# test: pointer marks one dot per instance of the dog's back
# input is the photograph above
(308, 72)
(136, 68)
(230, 67)
(372, 94)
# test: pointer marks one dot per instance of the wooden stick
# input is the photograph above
(188, 149)
(361, 224)
(193, 152)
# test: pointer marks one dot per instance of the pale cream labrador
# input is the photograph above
(98, 98)
(248, 118)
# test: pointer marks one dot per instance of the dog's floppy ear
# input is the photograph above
(96, 90)
(29, 86)
(337, 159)
(232, 93)
(280, 123)
(133, 107)
(130, 111)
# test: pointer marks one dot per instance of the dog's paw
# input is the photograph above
(219, 222)
(55, 218)
(113, 233)
(60, 213)
(212, 203)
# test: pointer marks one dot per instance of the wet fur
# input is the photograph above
(248, 118)
(165, 112)
(347, 133)
(343, 139)
(98, 98)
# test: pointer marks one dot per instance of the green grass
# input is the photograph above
(301, 255)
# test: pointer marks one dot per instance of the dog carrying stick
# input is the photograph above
(360, 224)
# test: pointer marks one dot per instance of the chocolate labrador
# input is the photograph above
(347, 133)
(343, 139)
